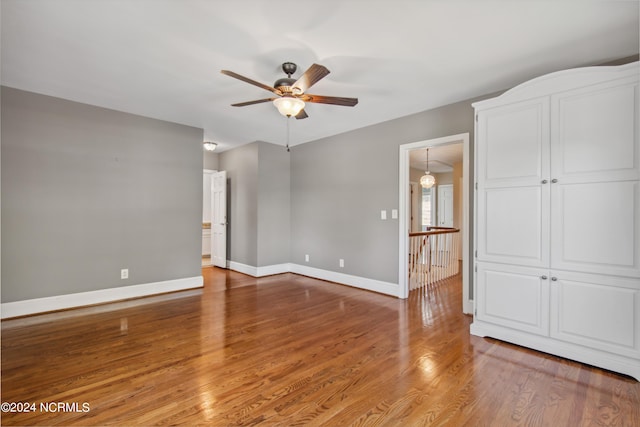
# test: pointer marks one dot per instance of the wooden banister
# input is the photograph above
(435, 230)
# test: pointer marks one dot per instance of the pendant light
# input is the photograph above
(427, 180)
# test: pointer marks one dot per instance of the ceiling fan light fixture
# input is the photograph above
(209, 146)
(288, 105)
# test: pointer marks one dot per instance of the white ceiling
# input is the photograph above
(441, 158)
(162, 58)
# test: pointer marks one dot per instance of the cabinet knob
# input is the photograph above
(554, 279)
(554, 180)
(543, 277)
(544, 181)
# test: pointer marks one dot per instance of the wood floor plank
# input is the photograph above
(289, 350)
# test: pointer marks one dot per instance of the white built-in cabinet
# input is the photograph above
(558, 216)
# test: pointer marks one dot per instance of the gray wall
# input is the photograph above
(87, 191)
(274, 192)
(241, 165)
(340, 184)
(258, 204)
(211, 160)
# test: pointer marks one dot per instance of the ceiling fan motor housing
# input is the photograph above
(284, 84)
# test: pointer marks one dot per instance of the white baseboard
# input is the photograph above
(273, 269)
(317, 273)
(60, 302)
(258, 271)
(347, 279)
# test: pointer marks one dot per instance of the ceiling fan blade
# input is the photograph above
(257, 101)
(310, 77)
(301, 115)
(248, 80)
(335, 100)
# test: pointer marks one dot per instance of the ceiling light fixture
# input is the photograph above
(288, 105)
(209, 146)
(427, 180)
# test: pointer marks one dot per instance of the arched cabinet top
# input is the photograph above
(560, 81)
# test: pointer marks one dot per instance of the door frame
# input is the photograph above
(208, 173)
(404, 205)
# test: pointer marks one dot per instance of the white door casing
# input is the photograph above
(404, 218)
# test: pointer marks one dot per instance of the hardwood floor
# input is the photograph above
(288, 350)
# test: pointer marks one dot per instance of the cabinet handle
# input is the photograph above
(554, 279)
(544, 181)
(554, 180)
(543, 277)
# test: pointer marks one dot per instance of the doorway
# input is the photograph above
(206, 217)
(214, 219)
(405, 213)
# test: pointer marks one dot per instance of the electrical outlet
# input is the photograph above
(306, 258)
(124, 273)
(341, 263)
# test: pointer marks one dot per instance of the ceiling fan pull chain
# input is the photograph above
(288, 131)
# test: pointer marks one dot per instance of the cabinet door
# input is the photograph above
(594, 135)
(595, 194)
(512, 150)
(596, 227)
(513, 225)
(601, 312)
(512, 144)
(512, 296)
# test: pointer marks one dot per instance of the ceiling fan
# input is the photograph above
(291, 92)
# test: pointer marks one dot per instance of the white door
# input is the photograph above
(219, 219)
(445, 205)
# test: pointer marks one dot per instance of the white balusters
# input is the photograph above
(433, 256)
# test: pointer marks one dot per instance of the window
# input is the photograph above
(428, 204)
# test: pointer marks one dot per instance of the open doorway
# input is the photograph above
(206, 217)
(214, 218)
(409, 177)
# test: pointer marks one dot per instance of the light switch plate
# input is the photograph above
(383, 214)
(394, 213)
